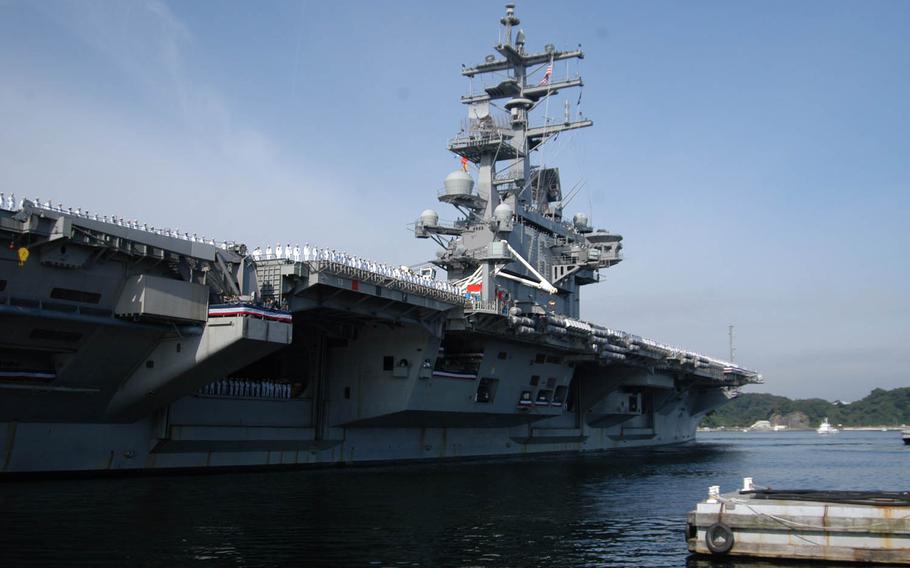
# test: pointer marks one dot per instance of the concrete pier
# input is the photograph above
(866, 527)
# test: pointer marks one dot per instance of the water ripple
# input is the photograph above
(609, 510)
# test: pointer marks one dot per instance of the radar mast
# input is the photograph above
(512, 245)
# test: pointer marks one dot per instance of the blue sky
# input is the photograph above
(756, 156)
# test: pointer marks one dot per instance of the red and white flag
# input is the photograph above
(546, 75)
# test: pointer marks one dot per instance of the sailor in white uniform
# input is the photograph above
(296, 252)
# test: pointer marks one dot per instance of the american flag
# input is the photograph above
(546, 75)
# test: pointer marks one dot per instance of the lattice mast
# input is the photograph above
(512, 237)
(522, 98)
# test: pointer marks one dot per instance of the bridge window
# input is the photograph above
(535, 380)
(551, 382)
(388, 363)
(540, 358)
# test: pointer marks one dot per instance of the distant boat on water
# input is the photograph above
(827, 428)
(906, 436)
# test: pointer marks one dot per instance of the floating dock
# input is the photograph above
(867, 527)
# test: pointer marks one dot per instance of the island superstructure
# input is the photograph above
(126, 347)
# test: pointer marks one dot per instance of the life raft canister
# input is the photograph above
(719, 538)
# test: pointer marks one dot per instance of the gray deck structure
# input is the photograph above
(115, 356)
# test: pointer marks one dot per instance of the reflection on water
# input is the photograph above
(615, 509)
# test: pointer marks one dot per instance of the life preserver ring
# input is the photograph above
(719, 538)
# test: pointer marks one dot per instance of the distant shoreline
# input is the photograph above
(879, 409)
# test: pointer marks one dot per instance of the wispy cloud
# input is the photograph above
(181, 153)
(147, 43)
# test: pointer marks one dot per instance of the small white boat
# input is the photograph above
(827, 428)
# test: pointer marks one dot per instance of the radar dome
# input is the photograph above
(581, 222)
(458, 182)
(429, 218)
(503, 212)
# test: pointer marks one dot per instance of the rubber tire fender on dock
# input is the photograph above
(719, 538)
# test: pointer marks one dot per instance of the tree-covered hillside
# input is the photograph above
(880, 408)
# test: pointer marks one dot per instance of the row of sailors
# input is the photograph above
(308, 253)
(287, 253)
(247, 388)
(296, 254)
(10, 204)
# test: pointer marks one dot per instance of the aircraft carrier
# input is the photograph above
(130, 347)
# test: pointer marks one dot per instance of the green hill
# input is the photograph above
(880, 408)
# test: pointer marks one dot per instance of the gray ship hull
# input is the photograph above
(264, 441)
(349, 406)
(103, 371)
(109, 361)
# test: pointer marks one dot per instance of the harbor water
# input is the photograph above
(612, 509)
